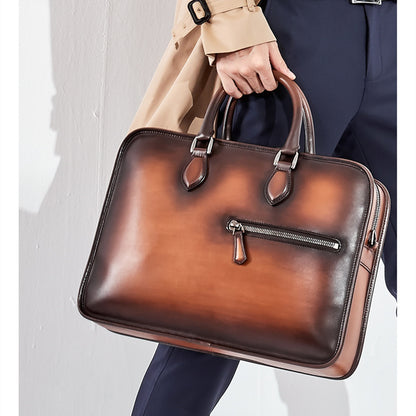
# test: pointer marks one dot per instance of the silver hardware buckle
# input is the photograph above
(294, 160)
(376, 2)
(209, 147)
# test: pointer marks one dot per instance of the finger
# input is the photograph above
(242, 84)
(253, 80)
(267, 78)
(229, 86)
(278, 62)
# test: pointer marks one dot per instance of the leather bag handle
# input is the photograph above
(292, 144)
(306, 117)
(279, 183)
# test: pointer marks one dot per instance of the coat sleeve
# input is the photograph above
(234, 29)
(234, 25)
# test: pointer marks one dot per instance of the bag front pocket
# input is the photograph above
(239, 228)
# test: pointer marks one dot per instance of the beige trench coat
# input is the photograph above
(186, 77)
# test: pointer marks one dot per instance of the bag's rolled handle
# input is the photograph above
(279, 184)
(306, 117)
(291, 145)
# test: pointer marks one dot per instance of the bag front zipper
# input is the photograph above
(372, 239)
(240, 227)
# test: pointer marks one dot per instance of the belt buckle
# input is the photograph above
(205, 8)
(376, 2)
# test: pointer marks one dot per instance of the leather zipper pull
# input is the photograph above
(239, 250)
(239, 253)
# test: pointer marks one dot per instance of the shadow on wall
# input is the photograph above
(312, 396)
(89, 56)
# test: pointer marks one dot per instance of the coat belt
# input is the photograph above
(184, 26)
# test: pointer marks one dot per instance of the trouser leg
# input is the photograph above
(181, 382)
(371, 135)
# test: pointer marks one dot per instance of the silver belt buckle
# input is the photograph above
(376, 2)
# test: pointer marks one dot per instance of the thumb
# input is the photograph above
(278, 62)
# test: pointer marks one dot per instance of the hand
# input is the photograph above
(250, 69)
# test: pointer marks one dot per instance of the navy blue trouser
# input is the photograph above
(344, 57)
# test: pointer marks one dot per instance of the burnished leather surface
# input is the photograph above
(195, 172)
(279, 184)
(165, 265)
(163, 260)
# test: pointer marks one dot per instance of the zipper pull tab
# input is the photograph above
(237, 229)
(372, 240)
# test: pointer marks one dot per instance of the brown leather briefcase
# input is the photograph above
(261, 254)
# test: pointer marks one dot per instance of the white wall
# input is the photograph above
(85, 65)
